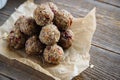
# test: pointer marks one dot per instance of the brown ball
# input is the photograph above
(63, 20)
(49, 34)
(18, 21)
(53, 54)
(16, 39)
(27, 25)
(53, 7)
(66, 39)
(33, 46)
(43, 15)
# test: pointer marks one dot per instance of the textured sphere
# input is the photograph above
(66, 39)
(33, 46)
(63, 19)
(43, 15)
(16, 39)
(49, 34)
(53, 54)
(27, 25)
(53, 7)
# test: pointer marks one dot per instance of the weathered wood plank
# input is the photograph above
(106, 66)
(115, 3)
(2, 77)
(86, 5)
(105, 10)
(10, 6)
(3, 18)
(19, 71)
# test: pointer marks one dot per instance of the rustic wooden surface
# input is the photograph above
(18, 71)
(105, 50)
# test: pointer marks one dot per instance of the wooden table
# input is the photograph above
(105, 50)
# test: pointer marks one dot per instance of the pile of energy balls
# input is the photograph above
(47, 33)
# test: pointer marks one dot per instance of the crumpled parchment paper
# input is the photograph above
(76, 57)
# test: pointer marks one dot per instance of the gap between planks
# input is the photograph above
(106, 66)
(6, 77)
(102, 1)
(9, 67)
(4, 13)
(104, 48)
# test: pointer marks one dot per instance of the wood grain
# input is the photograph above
(19, 71)
(115, 3)
(10, 6)
(3, 18)
(2, 77)
(105, 51)
(106, 66)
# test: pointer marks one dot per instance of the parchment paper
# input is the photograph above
(76, 57)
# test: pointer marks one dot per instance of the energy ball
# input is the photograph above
(18, 22)
(27, 25)
(53, 7)
(66, 39)
(43, 15)
(33, 46)
(63, 19)
(53, 54)
(16, 39)
(49, 34)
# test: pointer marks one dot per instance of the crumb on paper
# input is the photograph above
(91, 65)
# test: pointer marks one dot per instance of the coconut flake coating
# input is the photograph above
(53, 7)
(53, 54)
(16, 39)
(43, 15)
(66, 39)
(27, 25)
(63, 19)
(33, 46)
(49, 34)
